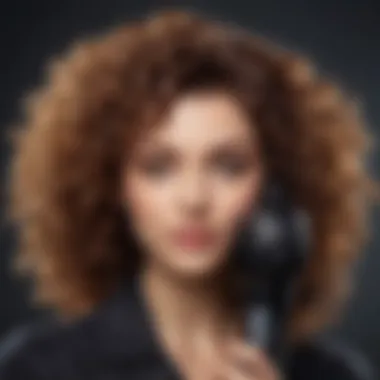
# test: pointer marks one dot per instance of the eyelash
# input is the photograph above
(233, 167)
(227, 166)
(156, 168)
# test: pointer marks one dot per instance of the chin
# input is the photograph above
(199, 268)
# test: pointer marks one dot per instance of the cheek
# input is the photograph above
(144, 203)
(236, 203)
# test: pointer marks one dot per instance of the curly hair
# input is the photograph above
(79, 126)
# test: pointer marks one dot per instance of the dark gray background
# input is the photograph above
(342, 35)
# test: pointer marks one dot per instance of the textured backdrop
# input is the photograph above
(343, 36)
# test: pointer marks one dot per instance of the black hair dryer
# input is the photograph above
(271, 255)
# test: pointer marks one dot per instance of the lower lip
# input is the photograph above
(194, 242)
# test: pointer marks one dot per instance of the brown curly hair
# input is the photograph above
(79, 125)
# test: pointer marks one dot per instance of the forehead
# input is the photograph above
(201, 119)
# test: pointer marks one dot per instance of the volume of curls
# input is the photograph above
(80, 124)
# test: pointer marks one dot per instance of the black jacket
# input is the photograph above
(116, 343)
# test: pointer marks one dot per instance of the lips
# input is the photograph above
(193, 238)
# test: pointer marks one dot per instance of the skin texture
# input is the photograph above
(200, 168)
(88, 123)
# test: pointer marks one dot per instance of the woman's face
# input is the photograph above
(191, 182)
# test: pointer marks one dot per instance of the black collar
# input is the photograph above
(120, 337)
(123, 331)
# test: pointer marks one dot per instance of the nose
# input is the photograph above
(194, 193)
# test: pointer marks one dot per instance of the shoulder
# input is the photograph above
(328, 358)
(39, 351)
(22, 352)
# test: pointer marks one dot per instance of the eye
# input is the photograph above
(159, 165)
(157, 169)
(232, 164)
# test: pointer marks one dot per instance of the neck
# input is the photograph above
(190, 311)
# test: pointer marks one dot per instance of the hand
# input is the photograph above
(244, 362)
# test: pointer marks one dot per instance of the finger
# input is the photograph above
(233, 373)
(251, 361)
(245, 357)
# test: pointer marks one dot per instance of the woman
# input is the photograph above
(137, 165)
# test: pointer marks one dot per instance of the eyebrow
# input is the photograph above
(234, 144)
(220, 145)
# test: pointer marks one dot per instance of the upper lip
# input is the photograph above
(193, 235)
